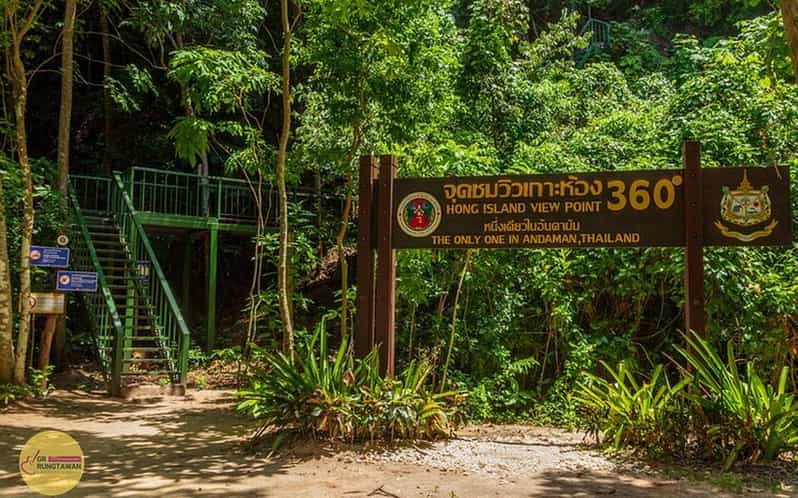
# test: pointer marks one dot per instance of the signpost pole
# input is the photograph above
(694, 240)
(213, 227)
(386, 267)
(364, 331)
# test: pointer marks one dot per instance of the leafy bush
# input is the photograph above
(749, 419)
(501, 397)
(11, 392)
(343, 397)
(740, 417)
(40, 386)
(634, 413)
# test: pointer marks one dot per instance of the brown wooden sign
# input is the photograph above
(687, 207)
(741, 206)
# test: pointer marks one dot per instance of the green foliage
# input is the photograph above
(751, 420)
(38, 379)
(502, 397)
(632, 412)
(220, 80)
(11, 392)
(130, 89)
(713, 410)
(329, 394)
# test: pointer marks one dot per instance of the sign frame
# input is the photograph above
(49, 257)
(66, 281)
(378, 224)
(47, 303)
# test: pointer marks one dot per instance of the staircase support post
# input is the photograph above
(130, 301)
(213, 225)
(187, 268)
(116, 366)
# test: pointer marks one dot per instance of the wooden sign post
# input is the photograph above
(694, 314)
(687, 207)
(364, 327)
(386, 268)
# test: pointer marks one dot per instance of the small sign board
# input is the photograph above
(76, 281)
(52, 257)
(741, 206)
(47, 303)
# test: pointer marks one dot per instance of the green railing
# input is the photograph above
(165, 192)
(186, 194)
(229, 200)
(154, 288)
(93, 192)
(599, 39)
(108, 332)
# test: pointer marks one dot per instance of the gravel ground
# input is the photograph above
(504, 460)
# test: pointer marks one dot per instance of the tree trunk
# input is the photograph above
(454, 319)
(65, 113)
(6, 321)
(339, 239)
(282, 264)
(317, 205)
(789, 9)
(108, 108)
(19, 89)
(19, 85)
(339, 242)
(46, 345)
(64, 132)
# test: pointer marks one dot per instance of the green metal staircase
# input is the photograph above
(599, 32)
(137, 327)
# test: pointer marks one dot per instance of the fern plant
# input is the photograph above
(751, 420)
(633, 412)
(334, 395)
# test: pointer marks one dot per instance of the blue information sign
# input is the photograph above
(76, 281)
(53, 257)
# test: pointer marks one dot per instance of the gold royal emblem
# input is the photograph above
(745, 207)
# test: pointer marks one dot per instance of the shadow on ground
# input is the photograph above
(141, 446)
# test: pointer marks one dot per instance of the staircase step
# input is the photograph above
(146, 360)
(148, 327)
(105, 235)
(109, 250)
(143, 338)
(146, 349)
(108, 242)
(124, 278)
(105, 259)
(101, 227)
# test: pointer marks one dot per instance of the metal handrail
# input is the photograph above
(172, 324)
(186, 194)
(107, 299)
(599, 39)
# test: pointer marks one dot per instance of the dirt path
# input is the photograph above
(191, 446)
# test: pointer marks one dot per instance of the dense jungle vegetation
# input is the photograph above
(452, 87)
